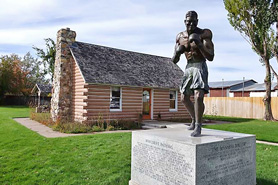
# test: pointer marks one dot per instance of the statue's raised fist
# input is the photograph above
(194, 37)
(181, 49)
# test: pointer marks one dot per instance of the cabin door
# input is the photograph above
(147, 99)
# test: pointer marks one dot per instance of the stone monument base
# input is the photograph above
(171, 157)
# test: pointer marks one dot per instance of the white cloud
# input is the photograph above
(146, 26)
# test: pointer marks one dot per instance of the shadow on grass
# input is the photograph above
(265, 182)
(228, 119)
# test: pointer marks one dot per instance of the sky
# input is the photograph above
(146, 26)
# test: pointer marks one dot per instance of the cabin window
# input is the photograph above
(116, 99)
(173, 100)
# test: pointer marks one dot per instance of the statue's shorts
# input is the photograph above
(195, 77)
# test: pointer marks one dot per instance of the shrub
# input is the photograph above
(140, 118)
(110, 128)
(44, 118)
(72, 127)
(125, 124)
(100, 121)
(97, 128)
(97, 125)
(159, 116)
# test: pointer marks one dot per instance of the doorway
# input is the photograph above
(147, 99)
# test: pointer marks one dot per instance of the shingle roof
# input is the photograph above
(44, 88)
(256, 87)
(226, 84)
(105, 65)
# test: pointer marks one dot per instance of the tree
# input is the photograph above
(275, 53)
(34, 70)
(274, 73)
(48, 56)
(19, 75)
(7, 67)
(253, 19)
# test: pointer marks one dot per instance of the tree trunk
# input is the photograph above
(267, 99)
(274, 72)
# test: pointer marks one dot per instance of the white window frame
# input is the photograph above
(116, 110)
(176, 101)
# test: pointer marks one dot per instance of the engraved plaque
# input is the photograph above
(161, 161)
(172, 157)
(229, 162)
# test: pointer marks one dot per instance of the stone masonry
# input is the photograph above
(62, 80)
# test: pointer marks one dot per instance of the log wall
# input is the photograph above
(98, 103)
(79, 96)
(161, 105)
(91, 102)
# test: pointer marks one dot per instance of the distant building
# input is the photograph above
(42, 94)
(255, 90)
(224, 88)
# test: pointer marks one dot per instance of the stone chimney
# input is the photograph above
(62, 79)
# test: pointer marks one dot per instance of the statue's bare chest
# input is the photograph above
(184, 40)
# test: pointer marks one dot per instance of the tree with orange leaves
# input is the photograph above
(19, 75)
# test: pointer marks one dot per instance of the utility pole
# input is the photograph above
(222, 87)
(243, 87)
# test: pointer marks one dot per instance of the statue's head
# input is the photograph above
(191, 21)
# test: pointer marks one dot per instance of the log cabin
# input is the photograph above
(92, 80)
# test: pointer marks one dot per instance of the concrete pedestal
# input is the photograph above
(171, 157)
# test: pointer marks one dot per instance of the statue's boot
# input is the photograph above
(192, 125)
(197, 130)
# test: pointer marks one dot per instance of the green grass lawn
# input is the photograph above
(28, 158)
(264, 130)
(102, 159)
(267, 164)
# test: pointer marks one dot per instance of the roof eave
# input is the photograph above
(151, 87)
(77, 65)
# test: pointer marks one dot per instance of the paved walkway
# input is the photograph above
(41, 129)
(267, 143)
(49, 133)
